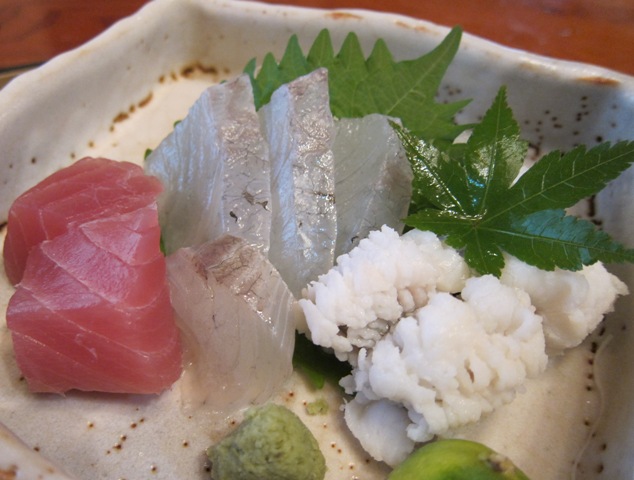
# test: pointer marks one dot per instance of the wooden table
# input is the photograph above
(600, 32)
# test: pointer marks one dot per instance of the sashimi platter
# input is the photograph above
(246, 241)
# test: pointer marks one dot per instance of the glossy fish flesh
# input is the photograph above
(238, 321)
(373, 179)
(88, 189)
(215, 169)
(300, 130)
(92, 311)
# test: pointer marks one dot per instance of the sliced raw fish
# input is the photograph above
(88, 189)
(92, 311)
(300, 130)
(215, 170)
(238, 321)
(373, 179)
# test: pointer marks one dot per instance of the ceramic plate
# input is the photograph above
(120, 94)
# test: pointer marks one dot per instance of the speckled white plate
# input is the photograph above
(120, 94)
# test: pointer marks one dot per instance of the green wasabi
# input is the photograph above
(271, 443)
(318, 407)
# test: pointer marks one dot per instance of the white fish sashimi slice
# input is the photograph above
(215, 170)
(373, 179)
(238, 320)
(300, 129)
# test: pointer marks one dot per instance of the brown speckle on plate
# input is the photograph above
(145, 100)
(187, 71)
(209, 69)
(596, 80)
(400, 23)
(199, 68)
(120, 117)
(10, 474)
(343, 16)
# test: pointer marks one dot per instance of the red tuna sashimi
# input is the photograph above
(90, 188)
(92, 311)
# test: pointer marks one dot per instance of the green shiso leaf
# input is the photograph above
(468, 195)
(273, 75)
(358, 86)
(318, 365)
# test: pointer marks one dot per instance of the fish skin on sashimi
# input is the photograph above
(215, 169)
(90, 188)
(92, 311)
(299, 127)
(238, 319)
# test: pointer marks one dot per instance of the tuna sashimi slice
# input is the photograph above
(238, 319)
(215, 169)
(92, 311)
(88, 189)
(300, 130)
(373, 179)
